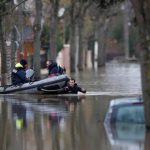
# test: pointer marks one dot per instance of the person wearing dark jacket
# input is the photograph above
(18, 75)
(73, 88)
(53, 68)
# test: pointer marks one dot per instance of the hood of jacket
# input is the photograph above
(54, 64)
(18, 65)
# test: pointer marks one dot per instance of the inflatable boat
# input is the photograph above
(50, 85)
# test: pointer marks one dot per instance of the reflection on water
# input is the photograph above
(45, 122)
(19, 115)
(35, 123)
(126, 136)
(66, 123)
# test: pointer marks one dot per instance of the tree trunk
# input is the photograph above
(52, 53)
(142, 11)
(13, 47)
(80, 54)
(37, 42)
(3, 55)
(102, 43)
(72, 47)
(126, 29)
(77, 13)
(72, 37)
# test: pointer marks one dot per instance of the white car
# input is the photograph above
(125, 124)
(128, 110)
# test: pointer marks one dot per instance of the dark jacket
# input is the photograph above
(18, 75)
(74, 90)
(54, 69)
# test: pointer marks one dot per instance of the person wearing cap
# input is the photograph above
(18, 75)
(24, 63)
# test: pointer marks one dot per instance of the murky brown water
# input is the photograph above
(30, 122)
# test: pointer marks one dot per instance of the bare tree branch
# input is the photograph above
(10, 11)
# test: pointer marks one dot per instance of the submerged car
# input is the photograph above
(127, 110)
(125, 124)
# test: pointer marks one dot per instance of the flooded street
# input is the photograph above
(114, 79)
(49, 122)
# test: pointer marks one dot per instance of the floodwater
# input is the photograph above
(45, 122)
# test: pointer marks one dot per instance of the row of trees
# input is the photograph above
(142, 9)
(74, 17)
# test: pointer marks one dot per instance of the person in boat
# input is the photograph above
(72, 87)
(54, 69)
(18, 75)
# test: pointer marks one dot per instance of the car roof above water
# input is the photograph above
(126, 100)
(125, 110)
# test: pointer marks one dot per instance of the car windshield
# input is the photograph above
(130, 113)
